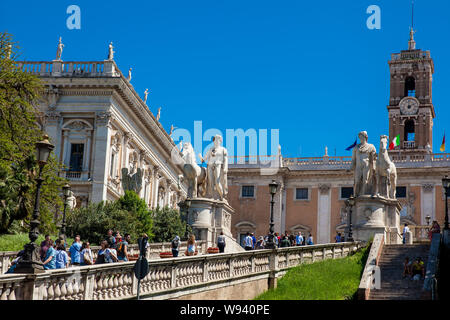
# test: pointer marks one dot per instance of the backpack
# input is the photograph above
(221, 239)
(121, 249)
(100, 259)
(175, 244)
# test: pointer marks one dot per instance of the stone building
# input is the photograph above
(313, 191)
(103, 131)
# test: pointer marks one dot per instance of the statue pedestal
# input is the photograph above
(208, 218)
(376, 215)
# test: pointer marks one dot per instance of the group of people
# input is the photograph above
(191, 249)
(280, 241)
(414, 269)
(56, 255)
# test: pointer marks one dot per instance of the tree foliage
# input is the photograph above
(168, 223)
(19, 132)
(137, 206)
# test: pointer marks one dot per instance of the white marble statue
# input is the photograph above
(386, 173)
(111, 52)
(59, 49)
(363, 164)
(158, 115)
(172, 128)
(145, 95)
(129, 74)
(194, 175)
(216, 177)
(71, 201)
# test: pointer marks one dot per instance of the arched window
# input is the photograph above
(409, 130)
(410, 87)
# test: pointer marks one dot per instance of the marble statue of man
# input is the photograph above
(59, 49)
(71, 201)
(363, 164)
(159, 114)
(217, 170)
(129, 74)
(111, 52)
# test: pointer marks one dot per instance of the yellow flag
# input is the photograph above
(443, 144)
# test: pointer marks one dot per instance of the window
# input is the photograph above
(248, 191)
(301, 194)
(409, 130)
(76, 157)
(410, 87)
(400, 192)
(346, 192)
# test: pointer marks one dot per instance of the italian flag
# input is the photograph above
(395, 142)
(443, 144)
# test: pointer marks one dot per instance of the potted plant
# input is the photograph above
(166, 254)
(212, 250)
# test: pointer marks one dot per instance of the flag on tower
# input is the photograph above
(443, 144)
(352, 146)
(395, 142)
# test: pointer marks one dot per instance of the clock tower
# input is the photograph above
(411, 110)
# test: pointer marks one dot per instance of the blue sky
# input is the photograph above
(311, 69)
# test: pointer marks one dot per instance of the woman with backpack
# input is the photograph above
(175, 246)
(105, 254)
(86, 254)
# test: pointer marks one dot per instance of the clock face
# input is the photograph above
(409, 105)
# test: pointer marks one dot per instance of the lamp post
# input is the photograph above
(446, 185)
(30, 261)
(350, 202)
(66, 194)
(273, 187)
(428, 218)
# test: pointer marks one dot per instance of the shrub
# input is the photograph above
(168, 223)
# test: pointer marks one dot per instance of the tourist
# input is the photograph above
(15, 262)
(122, 248)
(285, 242)
(406, 267)
(418, 269)
(260, 244)
(105, 254)
(435, 228)
(248, 242)
(175, 246)
(44, 247)
(221, 242)
(75, 250)
(49, 260)
(61, 257)
(278, 241)
(292, 240)
(191, 246)
(110, 238)
(299, 239)
(127, 237)
(86, 257)
(253, 240)
(338, 237)
(310, 241)
(405, 232)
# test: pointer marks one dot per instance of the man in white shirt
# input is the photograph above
(248, 242)
(405, 232)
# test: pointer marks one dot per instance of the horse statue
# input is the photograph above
(385, 171)
(193, 173)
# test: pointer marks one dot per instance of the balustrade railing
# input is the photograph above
(115, 281)
(70, 68)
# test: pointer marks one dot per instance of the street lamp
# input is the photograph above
(446, 185)
(428, 218)
(350, 202)
(30, 261)
(273, 187)
(66, 194)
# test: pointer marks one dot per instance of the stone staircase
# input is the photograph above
(393, 285)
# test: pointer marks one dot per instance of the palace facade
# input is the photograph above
(102, 130)
(312, 193)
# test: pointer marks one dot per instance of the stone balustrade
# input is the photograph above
(106, 68)
(153, 252)
(168, 278)
(339, 163)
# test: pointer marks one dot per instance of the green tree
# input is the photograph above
(19, 132)
(168, 223)
(136, 206)
(93, 222)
